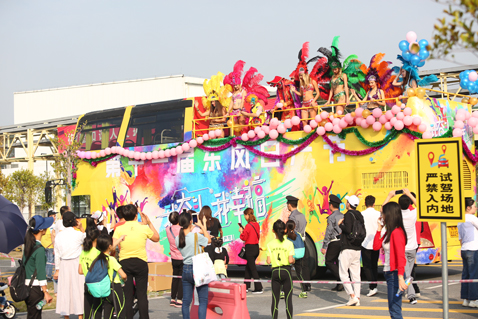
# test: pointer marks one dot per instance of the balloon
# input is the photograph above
(288, 123)
(359, 120)
(420, 93)
(313, 124)
(427, 135)
(398, 103)
(218, 132)
(279, 105)
(414, 48)
(473, 87)
(400, 116)
(149, 156)
(337, 129)
(467, 115)
(173, 152)
(407, 120)
(370, 120)
(465, 100)
(359, 112)
(459, 124)
(473, 76)
(417, 120)
(460, 117)
(389, 114)
(475, 130)
(186, 147)
(205, 137)
(352, 114)
(411, 36)
(457, 132)
(464, 83)
(396, 109)
(200, 140)
(423, 54)
(347, 117)
(266, 129)
(137, 156)
(364, 124)
(422, 63)
(377, 126)
(336, 121)
(94, 155)
(320, 130)
(295, 120)
(377, 112)
(142, 156)
(398, 125)
(281, 129)
(388, 126)
(403, 45)
(261, 134)
(102, 153)
(366, 113)
(393, 121)
(179, 150)
(108, 151)
(131, 154)
(229, 123)
(343, 123)
(193, 143)
(422, 127)
(244, 137)
(167, 153)
(410, 92)
(251, 134)
(212, 134)
(414, 60)
(382, 119)
(318, 118)
(257, 130)
(274, 122)
(155, 155)
(323, 122)
(273, 134)
(423, 43)
(329, 127)
(406, 55)
(407, 111)
(473, 101)
(307, 129)
(324, 115)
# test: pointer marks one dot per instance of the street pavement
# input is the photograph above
(324, 303)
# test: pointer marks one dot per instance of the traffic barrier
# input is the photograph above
(231, 298)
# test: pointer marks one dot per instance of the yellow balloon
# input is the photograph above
(229, 123)
(399, 103)
(414, 48)
(420, 93)
(473, 101)
(410, 92)
(366, 113)
(465, 100)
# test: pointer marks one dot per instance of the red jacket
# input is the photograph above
(251, 234)
(398, 241)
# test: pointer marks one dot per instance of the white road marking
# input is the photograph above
(325, 308)
(452, 283)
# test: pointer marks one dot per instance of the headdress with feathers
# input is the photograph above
(251, 84)
(234, 78)
(413, 70)
(303, 56)
(381, 72)
(215, 91)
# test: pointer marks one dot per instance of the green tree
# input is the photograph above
(3, 183)
(23, 189)
(457, 30)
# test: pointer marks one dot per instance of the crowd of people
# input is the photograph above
(120, 247)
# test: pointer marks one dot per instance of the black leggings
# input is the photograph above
(281, 277)
(36, 295)
(109, 304)
(93, 307)
(302, 271)
(252, 252)
(176, 284)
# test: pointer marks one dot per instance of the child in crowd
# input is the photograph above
(220, 259)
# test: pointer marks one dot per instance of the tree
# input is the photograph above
(458, 30)
(3, 183)
(22, 189)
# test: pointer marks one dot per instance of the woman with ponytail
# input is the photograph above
(251, 235)
(87, 256)
(280, 254)
(187, 243)
(34, 259)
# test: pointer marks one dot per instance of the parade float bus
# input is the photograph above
(134, 154)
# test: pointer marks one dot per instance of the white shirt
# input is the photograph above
(386, 251)
(68, 245)
(370, 218)
(468, 232)
(409, 221)
(59, 226)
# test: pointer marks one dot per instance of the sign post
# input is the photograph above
(440, 191)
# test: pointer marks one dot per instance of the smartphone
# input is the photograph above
(399, 192)
(240, 225)
(195, 218)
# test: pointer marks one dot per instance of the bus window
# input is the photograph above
(100, 129)
(156, 123)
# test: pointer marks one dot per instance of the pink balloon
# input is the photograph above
(399, 125)
(167, 153)
(257, 129)
(186, 147)
(396, 109)
(200, 140)
(173, 152)
(307, 129)
(80, 154)
(336, 121)
(383, 119)
(161, 154)
(320, 130)
(472, 121)
(460, 117)
(400, 116)
(393, 121)
(261, 134)
(218, 132)
(88, 155)
(458, 132)
(94, 155)
(114, 149)
(343, 123)
(137, 155)
(389, 115)
(251, 134)
(331, 118)
(411, 37)
(273, 125)
(475, 114)
(273, 134)
(149, 156)
(427, 135)
(358, 112)
(407, 111)
(388, 126)
(288, 123)
(193, 143)
(244, 137)
(340, 112)
(102, 153)
(422, 127)
(318, 118)
(205, 137)
(337, 129)
(155, 155)
(359, 120)
(179, 150)
(295, 120)
(350, 120)
(324, 115)
(347, 117)
(281, 129)
(370, 120)
(143, 156)
(377, 112)
(313, 124)
(364, 124)
(473, 76)
(279, 105)
(467, 115)
(107, 151)
(274, 121)
(407, 120)
(475, 130)
(417, 120)
(377, 126)
(212, 134)
(459, 124)
(131, 154)
(329, 127)
(266, 129)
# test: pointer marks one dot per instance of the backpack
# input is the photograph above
(18, 290)
(357, 236)
(98, 281)
(299, 246)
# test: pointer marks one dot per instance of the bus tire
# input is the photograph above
(311, 256)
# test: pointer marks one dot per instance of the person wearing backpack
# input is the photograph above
(220, 258)
(353, 234)
(176, 261)
(34, 261)
(87, 256)
(299, 253)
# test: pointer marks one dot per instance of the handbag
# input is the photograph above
(203, 268)
(242, 253)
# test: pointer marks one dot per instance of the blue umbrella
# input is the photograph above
(12, 226)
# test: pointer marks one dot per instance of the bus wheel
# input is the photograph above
(311, 256)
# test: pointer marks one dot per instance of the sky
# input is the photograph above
(58, 43)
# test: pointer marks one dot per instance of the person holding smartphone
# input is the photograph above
(251, 235)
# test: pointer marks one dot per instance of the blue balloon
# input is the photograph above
(464, 83)
(403, 45)
(422, 63)
(414, 60)
(423, 43)
(472, 87)
(462, 75)
(423, 54)
(406, 55)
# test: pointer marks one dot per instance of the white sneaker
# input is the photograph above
(372, 292)
(465, 303)
(353, 301)
(473, 304)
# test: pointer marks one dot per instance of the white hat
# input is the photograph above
(98, 215)
(353, 200)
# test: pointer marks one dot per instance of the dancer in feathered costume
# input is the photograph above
(307, 86)
(286, 99)
(378, 83)
(236, 106)
(343, 77)
(321, 74)
(256, 97)
(408, 77)
(256, 115)
(214, 102)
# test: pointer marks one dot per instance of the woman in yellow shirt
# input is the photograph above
(280, 254)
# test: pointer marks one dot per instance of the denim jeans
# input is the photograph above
(470, 271)
(188, 290)
(50, 259)
(394, 302)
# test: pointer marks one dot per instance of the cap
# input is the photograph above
(292, 200)
(353, 200)
(68, 219)
(51, 213)
(42, 222)
(98, 215)
(334, 199)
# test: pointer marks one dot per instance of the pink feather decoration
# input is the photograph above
(305, 51)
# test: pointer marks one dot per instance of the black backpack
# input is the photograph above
(357, 236)
(18, 290)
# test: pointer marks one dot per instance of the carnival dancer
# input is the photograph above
(236, 105)
(256, 116)
(286, 99)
